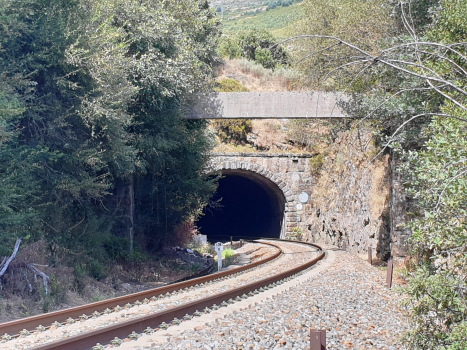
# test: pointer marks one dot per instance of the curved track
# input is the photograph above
(106, 321)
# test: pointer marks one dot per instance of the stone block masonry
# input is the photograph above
(346, 204)
(288, 172)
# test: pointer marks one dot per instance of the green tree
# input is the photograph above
(362, 23)
(149, 59)
(93, 141)
(413, 86)
(49, 169)
(254, 45)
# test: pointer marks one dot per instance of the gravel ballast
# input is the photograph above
(294, 255)
(342, 294)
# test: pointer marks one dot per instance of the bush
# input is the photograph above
(316, 163)
(230, 85)
(117, 248)
(230, 47)
(255, 46)
(264, 57)
(227, 253)
(233, 130)
(96, 270)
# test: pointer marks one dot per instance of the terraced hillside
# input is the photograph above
(251, 14)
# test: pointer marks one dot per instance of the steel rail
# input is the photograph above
(123, 329)
(30, 323)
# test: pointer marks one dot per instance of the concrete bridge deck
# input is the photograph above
(267, 105)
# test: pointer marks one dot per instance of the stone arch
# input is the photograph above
(258, 173)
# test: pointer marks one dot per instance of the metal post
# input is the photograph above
(317, 339)
(390, 272)
(370, 257)
(219, 261)
(231, 242)
(219, 247)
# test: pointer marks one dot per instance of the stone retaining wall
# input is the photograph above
(348, 200)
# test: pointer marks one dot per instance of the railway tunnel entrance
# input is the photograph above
(250, 206)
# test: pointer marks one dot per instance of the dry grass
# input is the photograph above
(267, 135)
(257, 78)
(270, 132)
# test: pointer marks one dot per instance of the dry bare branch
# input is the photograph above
(5, 265)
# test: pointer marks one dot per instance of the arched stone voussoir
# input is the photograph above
(272, 174)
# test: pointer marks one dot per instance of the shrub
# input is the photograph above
(316, 163)
(265, 58)
(117, 248)
(227, 253)
(230, 85)
(96, 270)
(233, 130)
(230, 47)
(253, 45)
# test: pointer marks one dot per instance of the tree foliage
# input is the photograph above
(254, 45)
(93, 144)
(436, 180)
(411, 85)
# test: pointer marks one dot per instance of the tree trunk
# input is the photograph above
(131, 211)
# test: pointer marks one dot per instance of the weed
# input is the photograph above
(296, 234)
(24, 311)
(228, 253)
(195, 268)
(316, 163)
(202, 247)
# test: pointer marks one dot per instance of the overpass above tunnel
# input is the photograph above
(267, 105)
(263, 195)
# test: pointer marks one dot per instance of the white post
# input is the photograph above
(219, 248)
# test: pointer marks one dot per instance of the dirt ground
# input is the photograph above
(23, 292)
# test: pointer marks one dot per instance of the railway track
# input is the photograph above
(126, 317)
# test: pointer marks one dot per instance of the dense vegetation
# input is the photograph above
(404, 67)
(95, 156)
(274, 17)
(94, 153)
(257, 46)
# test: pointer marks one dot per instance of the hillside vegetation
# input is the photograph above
(403, 65)
(279, 21)
(96, 159)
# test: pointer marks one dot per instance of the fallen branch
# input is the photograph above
(5, 264)
(27, 280)
(45, 278)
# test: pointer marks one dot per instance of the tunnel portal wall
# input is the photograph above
(290, 174)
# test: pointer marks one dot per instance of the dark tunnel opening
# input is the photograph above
(250, 206)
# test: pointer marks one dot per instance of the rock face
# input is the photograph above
(351, 197)
(348, 194)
